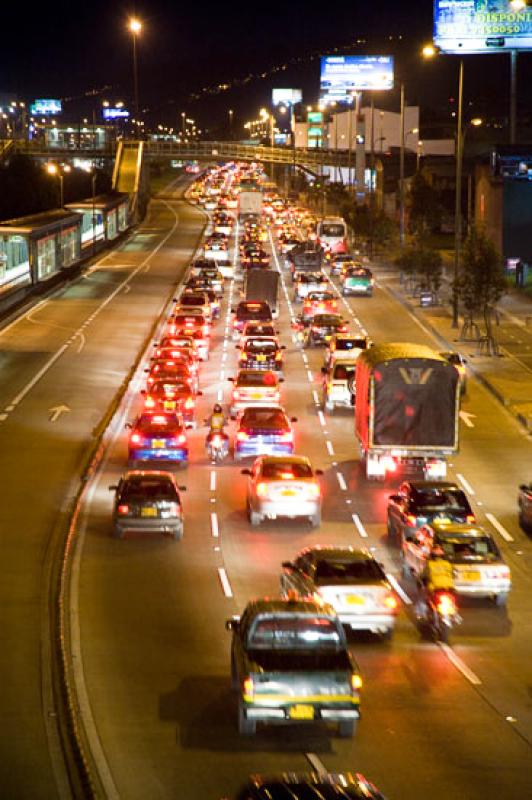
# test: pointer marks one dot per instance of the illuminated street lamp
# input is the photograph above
(54, 169)
(135, 27)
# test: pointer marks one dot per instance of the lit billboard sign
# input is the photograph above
(287, 97)
(115, 113)
(315, 117)
(43, 108)
(340, 76)
(482, 26)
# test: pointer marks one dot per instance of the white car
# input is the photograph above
(345, 347)
(350, 580)
(339, 385)
(283, 486)
(254, 387)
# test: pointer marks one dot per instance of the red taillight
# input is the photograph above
(286, 437)
(189, 403)
(445, 604)
(181, 439)
(150, 402)
(216, 439)
(123, 509)
(242, 436)
(342, 329)
(136, 438)
(262, 489)
(411, 520)
(390, 601)
(205, 330)
(243, 356)
(278, 356)
(356, 682)
(248, 688)
(470, 518)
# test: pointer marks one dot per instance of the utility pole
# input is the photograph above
(458, 195)
(402, 171)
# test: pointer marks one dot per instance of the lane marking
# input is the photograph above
(213, 480)
(407, 600)
(499, 528)
(460, 665)
(316, 763)
(467, 418)
(315, 397)
(330, 448)
(310, 376)
(224, 580)
(214, 525)
(341, 480)
(467, 486)
(321, 418)
(358, 525)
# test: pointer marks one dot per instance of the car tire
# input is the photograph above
(178, 533)
(347, 728)
(246, 727)
(234, 676)
(405, 570)
(387, 636)
(500, 600)
(392, 536)
(315, 519)
(254, 518)
(117, 533)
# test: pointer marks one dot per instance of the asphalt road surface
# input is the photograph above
(438, 722)
(62, 364)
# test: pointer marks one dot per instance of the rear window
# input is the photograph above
(294, 633)
(261, 344)
(256, 379)
(351, 344)
(459, 548)
(344, 372)
(286, 470)
(191, 300)
(168, 388)
(259, 330)
(320, 296)
(340, 570)
(184, 320)
(264, 418)
(148, 489)
(158, 423)
(254, 311)
(441, 498)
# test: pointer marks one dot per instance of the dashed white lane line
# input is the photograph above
(214, 525)
(341, 481)
(310, 376)
(330, 448)
(321, 418)
(407, 600)
(316, 763)
(460, 665)
(220, 395)
(467, 486)
(3, 417)
(315, 397)
(213, 481)
(224, 580)
(358, 525)
(499, 528)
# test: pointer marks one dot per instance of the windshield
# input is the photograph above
(441, 498)
(343, 570)
(286, 470)
(294, 633)
(332, 229)
(464, 548)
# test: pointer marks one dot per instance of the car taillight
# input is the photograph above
(342, 329)
(181, 439)
(356, 682)
(315, 329)
(278, 356)
(216, 439)
(242, 436)
(174, 509)
(235, 323)
(236, 394)
(446, 604)
(189, 403)
(411, 520)
(470, 518)
(149, 402)
(136, 438)
(123, 509)
(243, 356)
(313, 490)
(248, 688)
(498, 573)
(286, 437)
(390, 601)
(262, 489)
(172, 328)
(205, 330)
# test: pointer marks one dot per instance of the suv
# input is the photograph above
(147, 502)
(339, 385)
(345, 347)
(420, 502)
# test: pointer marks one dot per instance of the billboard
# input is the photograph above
(482, 26)
(340, 76)
(115, 113)
(42, 108)
(315, 117)
(287, 97)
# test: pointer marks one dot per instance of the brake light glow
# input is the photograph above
(123, 509)
(313, 490)
(242, 436)
(262, 489)
(411, 520)
(149, 402)
(470, 518)
(389, 464)
(216, 439)
(181, 439)
(189, 403)
(356, 682)
(446, 604)
(136, 438)
(248, 688)
(390, 602)
(286, 437)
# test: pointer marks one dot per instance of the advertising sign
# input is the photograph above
(482, 26)
(115, 113)
(42, 108)
(315, 117)
(340, 76)
(287, 97)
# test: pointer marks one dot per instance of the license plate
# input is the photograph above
(288, 493)
(355, 600)
(256, 396)
(169, 405)
(261, 358)
(445, 520)
(328, 337)
(302, 712)
(148, 512)
(470, 576)
(158, 443)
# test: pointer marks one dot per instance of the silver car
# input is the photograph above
(283, 486)
(350, 580)
(147, 501)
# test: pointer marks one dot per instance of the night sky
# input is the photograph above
(66, 49)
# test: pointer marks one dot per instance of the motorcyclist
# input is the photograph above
(216, 423)
(436, 577)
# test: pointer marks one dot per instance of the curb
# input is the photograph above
(522, 420)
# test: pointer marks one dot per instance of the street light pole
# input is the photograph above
(135, 26)
(513, 94)
(458, 195)
(231, 124)
(402, 171)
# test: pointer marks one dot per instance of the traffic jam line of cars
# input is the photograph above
(290, 659)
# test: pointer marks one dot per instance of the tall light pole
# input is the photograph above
(54, 169)
(402, 170)
(458, 194)
(231, 113)
(135, 27)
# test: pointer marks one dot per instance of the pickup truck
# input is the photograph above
(290, 664)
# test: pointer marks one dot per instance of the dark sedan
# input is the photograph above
(420, 502)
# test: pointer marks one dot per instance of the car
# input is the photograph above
(339, 260)
(266, 430)
(524, 502)
(258, 330)
(195, 326)
(201, 340)
(283, 486)
(306, 282)
(459, 362)
(339, 385)
(254, 257)
(419, 502)
(172, 395)
(345, 346)
(261, 353)
(350, 580)
(357, 281)
(177, 368)
(214, 278)
(254, 388)
(147, 502)
(304, 786)
(183, 344)
(250, 311)
(318, 303)
(479, 569)
(190, 299)
(157, 437)
(223, 223)
(321, 329)
(215, 245)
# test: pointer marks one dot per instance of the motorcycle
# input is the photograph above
(217, 446)
(442, 614)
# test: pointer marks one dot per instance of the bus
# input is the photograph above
(332, 234)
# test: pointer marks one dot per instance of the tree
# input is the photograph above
(481, 283)
(425, 209)
(422, 265)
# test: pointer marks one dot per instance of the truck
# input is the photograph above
(305, 257)
(249, 204)
(290, 663)
(407, 405)
(263, 284)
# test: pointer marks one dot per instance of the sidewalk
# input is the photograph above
(507, 377)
